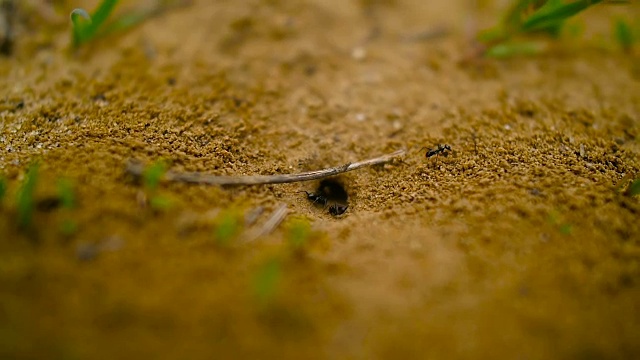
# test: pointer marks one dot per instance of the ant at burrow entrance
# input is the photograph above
(335, 209)
(330, 192)
(338, 209)
(316, 198)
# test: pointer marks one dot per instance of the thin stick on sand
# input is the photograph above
(136, 168)
(270, 225)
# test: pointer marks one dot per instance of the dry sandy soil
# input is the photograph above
(521, 243)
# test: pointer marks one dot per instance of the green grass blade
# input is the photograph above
(3, 187)
(65, 193)
(493, 35)
(266, 280)
(80, 21)
(86, 27)
(126, 21)
(25, 196)
(509, 26)
(153, 174)
(227, 228)
(513, 19)
(298, 234)
(102, 13)
(634, 188)
(550, 16)
(624, 35)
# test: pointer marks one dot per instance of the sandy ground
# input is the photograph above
(519, 244)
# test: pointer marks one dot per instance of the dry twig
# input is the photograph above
(136, 168)
(270, 225)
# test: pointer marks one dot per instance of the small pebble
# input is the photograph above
(359, 53)
(86, 252)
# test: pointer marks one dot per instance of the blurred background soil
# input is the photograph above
(521, 243)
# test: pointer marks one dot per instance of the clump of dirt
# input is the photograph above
(521, 240)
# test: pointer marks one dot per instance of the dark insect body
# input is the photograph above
(440, 149)
(316, 198)
(337, 209)
(330, 192)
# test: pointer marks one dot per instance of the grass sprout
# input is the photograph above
(152, 177)
(556, 219)
(160, 203)
(298, 234)
(266, 280)
(552, 15)
(67, 198)
(3, 187)
(153, 174)
(565, 229)
(86, 27)
(68, 227)
(25, 201)
(228, 227)
(65, 193)
(634, 188)
(624, 35)
(529, 17)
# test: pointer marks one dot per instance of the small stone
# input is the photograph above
(112, 243)
(359, 53)
(87, 252)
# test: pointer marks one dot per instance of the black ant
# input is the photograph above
(337, 209)
(440, 149)
(330, 192)
(316, 198)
